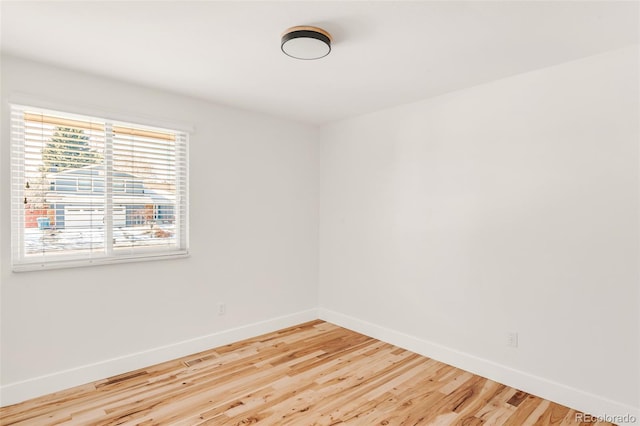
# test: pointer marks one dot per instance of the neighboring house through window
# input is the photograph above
(90, 190)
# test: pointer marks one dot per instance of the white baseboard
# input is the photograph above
(547, 389)
(583, 401)
(13, 393)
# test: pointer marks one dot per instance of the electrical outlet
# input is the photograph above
(222, 309)
(512, 339)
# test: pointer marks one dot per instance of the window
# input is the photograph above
(118, 185)
(84, 185)
(87, 190)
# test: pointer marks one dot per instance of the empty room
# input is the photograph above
(319, 213)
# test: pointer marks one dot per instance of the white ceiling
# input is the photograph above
(384, 53)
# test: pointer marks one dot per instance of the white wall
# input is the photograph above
(511, 206)
(254, 226)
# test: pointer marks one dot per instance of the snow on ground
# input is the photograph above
(47, 240)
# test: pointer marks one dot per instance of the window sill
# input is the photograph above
(78, 263)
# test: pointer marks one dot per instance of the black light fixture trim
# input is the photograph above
(307, 32)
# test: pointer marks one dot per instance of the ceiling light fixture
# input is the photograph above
(304, 42)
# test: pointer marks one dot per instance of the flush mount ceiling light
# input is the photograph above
(306, 42)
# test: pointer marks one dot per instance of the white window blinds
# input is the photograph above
(87, 190)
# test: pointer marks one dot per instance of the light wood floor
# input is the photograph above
(312, 374)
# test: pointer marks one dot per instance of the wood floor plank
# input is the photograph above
(553, 415)
(314, 373)
(497, 406)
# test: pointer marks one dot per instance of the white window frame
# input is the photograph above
(21, 262)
